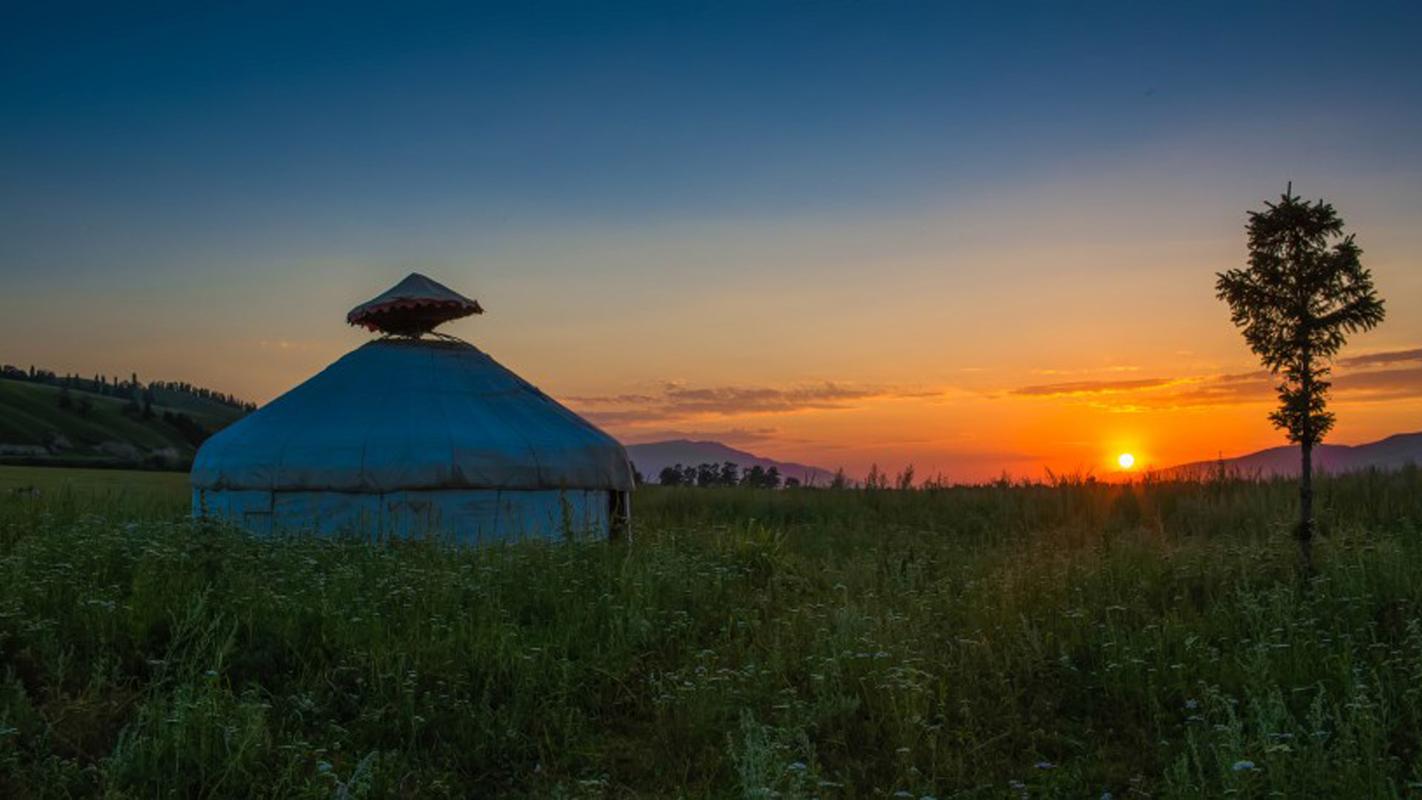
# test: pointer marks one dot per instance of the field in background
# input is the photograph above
(96, 429)
(1007, 641)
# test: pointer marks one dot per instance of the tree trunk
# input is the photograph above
(1305, 529)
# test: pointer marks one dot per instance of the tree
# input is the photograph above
(670, 476)
(772, 477)
(708, 475)
(730, 473)
(753, 478)
(1304, 291)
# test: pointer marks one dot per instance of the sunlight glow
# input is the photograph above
(1126, 460)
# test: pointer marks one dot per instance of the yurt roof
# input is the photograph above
(409, 413)
(413, 306)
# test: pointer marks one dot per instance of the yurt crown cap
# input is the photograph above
(412, 307)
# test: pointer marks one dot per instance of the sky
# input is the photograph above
(973, 238)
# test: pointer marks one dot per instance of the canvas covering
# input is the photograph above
(464, 516)
(399, 415)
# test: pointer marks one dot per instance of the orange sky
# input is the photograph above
(970, 239)
(943, 340)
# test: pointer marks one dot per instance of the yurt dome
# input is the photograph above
(411, 434)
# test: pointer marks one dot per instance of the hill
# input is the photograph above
(1390, 453)
(52, 425)
(652, 457)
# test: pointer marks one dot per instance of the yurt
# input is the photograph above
(416, 434)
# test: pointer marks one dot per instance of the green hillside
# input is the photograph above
(36, 427)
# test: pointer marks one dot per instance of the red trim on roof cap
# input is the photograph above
(413, 306)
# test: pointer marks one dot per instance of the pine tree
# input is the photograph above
(1304, 291)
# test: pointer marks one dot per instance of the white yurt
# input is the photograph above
(415, 434)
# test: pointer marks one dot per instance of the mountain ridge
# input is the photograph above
(651, 457)
(1390, 452)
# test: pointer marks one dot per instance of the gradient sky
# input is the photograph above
(974, 239)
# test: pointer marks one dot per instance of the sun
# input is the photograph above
(1126, 460)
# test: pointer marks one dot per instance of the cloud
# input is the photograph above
(1257, 386)
(1388, 384)
(1089, 387)
(609, 399)
(1381, 359)
(676, 401)
(725, 435)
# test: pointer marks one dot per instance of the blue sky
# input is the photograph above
(373, 123)
(178, 184)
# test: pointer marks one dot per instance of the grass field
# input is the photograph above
(1074, 641)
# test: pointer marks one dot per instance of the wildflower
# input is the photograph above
(1045, 765)
(1243, 766)
(797, 766)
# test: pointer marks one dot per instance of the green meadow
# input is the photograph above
(1072, 640)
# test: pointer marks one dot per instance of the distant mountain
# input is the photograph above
(1390, 453)
(652, 457)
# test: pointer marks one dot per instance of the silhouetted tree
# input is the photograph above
(708, 475)
(792, 483)
(637, 478)
(753, 478)
(1304, 290)
(670, 476)
(730, 473)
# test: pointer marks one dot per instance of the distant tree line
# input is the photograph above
(728, 473)
(139, 398)
(757, 477)
(139, 394)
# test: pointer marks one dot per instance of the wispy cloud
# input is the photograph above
(1089, 387)
(724, 435)
(1382, 359)
(1387, 384)
(675, 401)
(1256, 386)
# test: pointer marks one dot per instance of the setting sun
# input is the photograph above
(1126, 460)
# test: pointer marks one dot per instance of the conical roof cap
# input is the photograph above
(413, 306)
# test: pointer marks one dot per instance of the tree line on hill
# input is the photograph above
(131, 389)
(139, 398)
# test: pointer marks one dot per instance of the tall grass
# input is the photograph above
(1073, 640)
